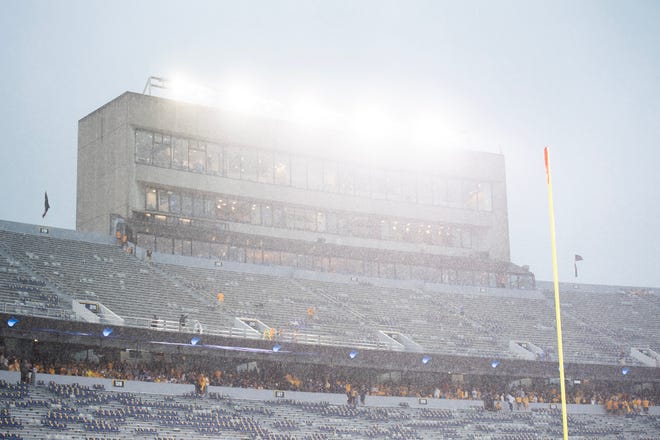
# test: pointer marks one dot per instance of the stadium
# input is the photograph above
(243, 277)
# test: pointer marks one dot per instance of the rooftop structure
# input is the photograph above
(185, 179)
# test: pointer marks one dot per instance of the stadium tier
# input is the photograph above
(117, 287)
(67, 409)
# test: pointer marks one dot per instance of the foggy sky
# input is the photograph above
(501, 76)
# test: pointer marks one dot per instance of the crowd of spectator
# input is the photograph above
(496, 396)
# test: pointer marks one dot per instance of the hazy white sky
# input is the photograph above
(509, 76)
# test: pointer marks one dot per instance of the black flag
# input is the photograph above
(577, 258)
(46, 205)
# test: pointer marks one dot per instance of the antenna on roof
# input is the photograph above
(154, 81)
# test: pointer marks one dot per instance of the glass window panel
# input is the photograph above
(470, 194)
(236, 254)
(439, 191)
(363, 182)
(255, 214)
(219, 250)
(233, 157)
(354, 266)
(145, 241)
(250, 162)
(163, 201)
(164, 245)
(425, 190)
(180, 156)
(267, 215)
(320, 221)
(198, 205)
(289, 217)
(175, 202)
(455, 193)
(266, 167)
(151, 199)
(314, 175)
(279, 220)
(288, 259)
(143, 146)
(282, 169)
(200, 249)
(485, 197)
(186, 204)
(346, 179)
(271, 257)
(330, 183)
(393, 185)
(215, 159)
(402, 271)
(309, 220)
(409, 187)
(331, 222)
(386, 270)
(466, 239)
(182, 247)
(162, 154)
(378, 185)
(197, 157)
(299, 172)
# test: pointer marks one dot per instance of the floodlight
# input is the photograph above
(353, 354)
(426, 359)
(195, 340)
(107, 331)
(11, 322)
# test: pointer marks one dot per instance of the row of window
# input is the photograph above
(256, 165)
(226, 208)
(353, 266)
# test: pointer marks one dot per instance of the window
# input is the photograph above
(409, 187)
(455, 193)
(180, 155)
(151, 200)
(346, 179)
(330, 183)
(282, 169)
(299, 172)
(143, 146)
(425, 190)
(250, 165)
(233, 157)
(215, 159)
(162, 152)
(197, 156)
(362, 182)
(314, 175)
(163, 201)
(265, 167)
(393, 185)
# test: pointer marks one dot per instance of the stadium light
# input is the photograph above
(194, 340)
(495, 364)
(625, 370)
(353, 354)
(11, 322)
(107, 331)
(426, 359)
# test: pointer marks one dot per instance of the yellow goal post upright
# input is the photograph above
(560, 348)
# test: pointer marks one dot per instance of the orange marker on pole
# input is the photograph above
(560, 348)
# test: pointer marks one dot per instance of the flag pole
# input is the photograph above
(560, 348)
